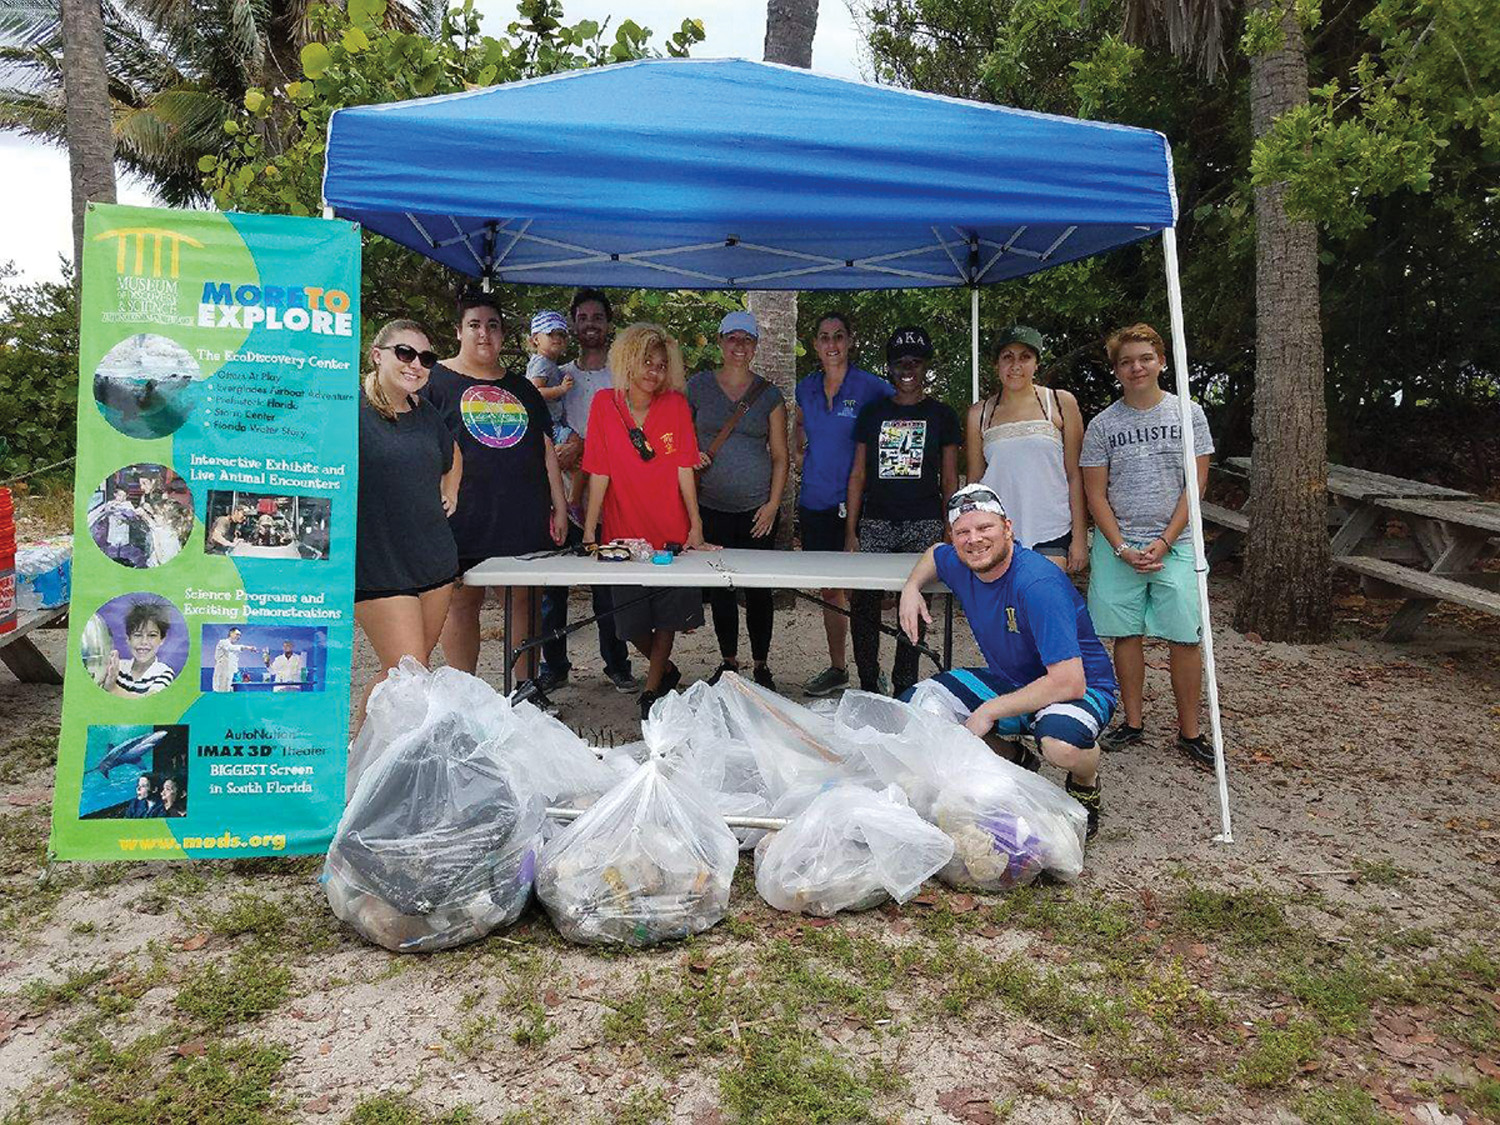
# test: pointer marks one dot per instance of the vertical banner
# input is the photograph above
(205, 705)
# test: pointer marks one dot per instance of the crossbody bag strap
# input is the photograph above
(741, 408)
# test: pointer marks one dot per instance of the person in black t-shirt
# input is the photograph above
(511, 501)
(905, 468)
(409, 472)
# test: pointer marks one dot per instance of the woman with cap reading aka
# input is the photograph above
(741, 424)
(1023, 441)
(905, 469)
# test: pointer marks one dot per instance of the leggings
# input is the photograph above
(732, 529)
(886, 537)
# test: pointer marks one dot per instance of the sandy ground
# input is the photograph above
(1345, 757)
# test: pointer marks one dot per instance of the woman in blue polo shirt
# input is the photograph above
(828, 403)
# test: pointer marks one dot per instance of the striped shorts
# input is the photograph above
(960, 692)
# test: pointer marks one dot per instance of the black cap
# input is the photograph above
(907, 342)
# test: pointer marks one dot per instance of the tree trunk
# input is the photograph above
(91, 142)
(790, 27)
(1287, 584)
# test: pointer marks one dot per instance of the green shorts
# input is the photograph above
(1123, 602)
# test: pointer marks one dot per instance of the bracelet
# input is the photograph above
(1120, 550)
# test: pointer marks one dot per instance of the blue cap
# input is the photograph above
(739, 321)
(548, 321)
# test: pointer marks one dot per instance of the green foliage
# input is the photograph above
(38, 372)
(1278, 1055)
(272, 152)
(252, 985)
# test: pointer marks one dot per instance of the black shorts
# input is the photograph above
(1058, 547)
(820, 529)
(413, 592)
(672, 608)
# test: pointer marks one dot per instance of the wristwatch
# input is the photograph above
(1120, 550)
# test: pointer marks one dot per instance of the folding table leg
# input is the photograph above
(509, 646)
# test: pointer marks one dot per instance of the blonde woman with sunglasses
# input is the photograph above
(405, 559)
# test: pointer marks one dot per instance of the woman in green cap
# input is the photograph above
(1023, 441)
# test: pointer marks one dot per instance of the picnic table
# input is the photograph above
(733, 569)
(19, 653)
(1451, 530)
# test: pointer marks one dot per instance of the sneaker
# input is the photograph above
(529, 691)
(1089, 799)
(1026, 754)
(624, 682)
(1199, 749)
(1120, 736)
(762, 676)
(826, 682)
(720, 670)
(549, 679)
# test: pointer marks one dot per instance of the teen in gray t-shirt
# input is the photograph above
(1143, 451)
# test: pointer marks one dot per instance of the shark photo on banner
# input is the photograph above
(205, 706)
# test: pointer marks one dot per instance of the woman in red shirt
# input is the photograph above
(640, 456)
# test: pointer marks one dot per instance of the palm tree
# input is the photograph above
(1287, 593)
(176, 71)
(790, 27)
(91, 149)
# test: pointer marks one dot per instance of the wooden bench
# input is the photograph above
(1429, 589)
(1228, 542)
(19, 653)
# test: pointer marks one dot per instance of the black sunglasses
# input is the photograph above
(406, 353)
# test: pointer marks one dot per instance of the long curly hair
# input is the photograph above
(631, 349)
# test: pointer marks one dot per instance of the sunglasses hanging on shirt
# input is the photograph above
(637, 435)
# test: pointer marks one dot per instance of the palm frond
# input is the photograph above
(24, 22)
(1197, 31)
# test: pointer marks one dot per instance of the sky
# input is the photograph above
(35, 194)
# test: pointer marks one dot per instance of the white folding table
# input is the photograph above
(735, 569)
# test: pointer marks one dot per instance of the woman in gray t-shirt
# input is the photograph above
(740, 486)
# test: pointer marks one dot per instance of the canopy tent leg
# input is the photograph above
(1195, 519)
(974, 341)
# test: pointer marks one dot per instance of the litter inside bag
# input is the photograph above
(649, 862)
(850, 849)
(437, 846)
(1007, 824)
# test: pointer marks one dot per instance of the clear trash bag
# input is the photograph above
(397, 706)
(851, 848)
(1007, 824)
(437, 846)
(650, 861)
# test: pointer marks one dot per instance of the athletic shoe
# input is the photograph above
(1121, 735)
(1199, 749)
(550, 680)
(1089, 799)
(762, 676)
(826, 682)
(528, 691)
(720, 670)
(1027, 754)
(624, 682)
(646, 700)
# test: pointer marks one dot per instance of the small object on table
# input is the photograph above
(662, 558)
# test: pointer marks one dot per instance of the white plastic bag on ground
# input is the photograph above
(397, 706)
(437, 846)
(851, 849)
(1007, 824)
(650, 861)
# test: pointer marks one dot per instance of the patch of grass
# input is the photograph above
(231, 1082)
(1340, 996)
(1170, 998)
(1069, 918)
(474, 1037)
(670, 1021)
(1245, 919)
(533, 1030)
(23, 840)
(1381, 872)
(34, 750)
(402, 1109)
(1340, 1105)
(1278, 1054)
(46, 996)
(252, 985)
(785, 1076)
(250, 914)
(1484, 1098)
(643, 1107)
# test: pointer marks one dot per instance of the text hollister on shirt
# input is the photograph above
(1141, 435)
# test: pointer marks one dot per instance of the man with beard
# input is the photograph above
(1047, 675)
(590, 373)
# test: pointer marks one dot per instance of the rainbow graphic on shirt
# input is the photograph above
(495, 417)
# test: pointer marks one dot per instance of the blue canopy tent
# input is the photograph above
(731, 174)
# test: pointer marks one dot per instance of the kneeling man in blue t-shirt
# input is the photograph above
(1047, 674)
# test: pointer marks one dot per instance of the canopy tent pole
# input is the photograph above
(974, 340)
(1195, 518)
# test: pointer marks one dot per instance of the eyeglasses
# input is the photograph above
(406, 353)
